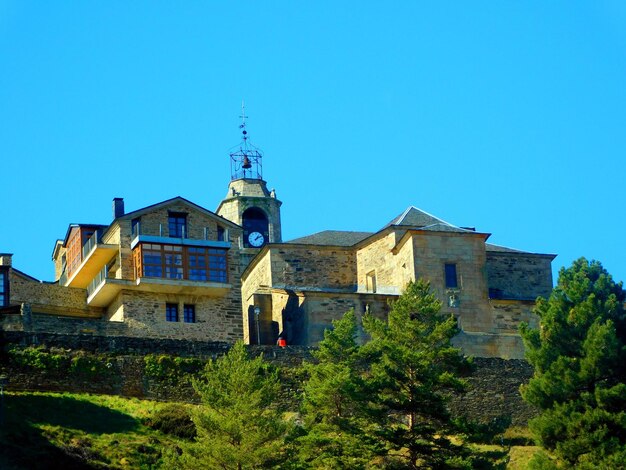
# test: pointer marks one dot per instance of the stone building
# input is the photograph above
(177, 270)
(300, 286)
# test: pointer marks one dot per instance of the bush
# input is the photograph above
(38, 358)
(89, 366)
(172, 369)
(174, 420)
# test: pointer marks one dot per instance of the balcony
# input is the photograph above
(138, 236)
(103, 289)
(95, 255)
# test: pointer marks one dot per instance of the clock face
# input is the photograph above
(256, 239)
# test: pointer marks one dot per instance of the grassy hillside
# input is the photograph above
(49, 430)
(76, 431)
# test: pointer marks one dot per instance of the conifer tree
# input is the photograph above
(413, 369)
(579, 381)
(333, 409)
(238, 425)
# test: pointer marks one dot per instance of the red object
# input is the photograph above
(282, 342)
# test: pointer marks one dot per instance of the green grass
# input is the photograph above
(80, 431)
(73, 431)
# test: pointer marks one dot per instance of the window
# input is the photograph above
(220, 234)
(194, 263)
(171, 312)
(451, 279)
(177, 223)
(189, 313)
(152, 261)
(74, 252)
(4, 287)
(217, 265)
(370, 282)
(173, 257)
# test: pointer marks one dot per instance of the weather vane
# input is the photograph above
(243, 120)
(246, 160)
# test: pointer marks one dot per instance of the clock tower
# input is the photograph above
(248, 202)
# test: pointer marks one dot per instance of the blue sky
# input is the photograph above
(506, 116)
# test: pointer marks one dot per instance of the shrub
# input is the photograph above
(174, 420)
(172, 369)
(89, 366)
(38, 358)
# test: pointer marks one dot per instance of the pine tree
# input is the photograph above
(333, 409)
(579, 381)
(413, 369)
(238, 426)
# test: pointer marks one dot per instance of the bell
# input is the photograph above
(246, 165)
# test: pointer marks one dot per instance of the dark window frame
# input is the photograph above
(4, 287)
(451, 277)
(177, 224)
(189, 313)
(171, 312)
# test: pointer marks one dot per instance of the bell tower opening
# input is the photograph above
(255, 228)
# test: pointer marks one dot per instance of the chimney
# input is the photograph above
(6, 259)
(118, 207)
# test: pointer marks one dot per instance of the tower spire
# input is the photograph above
(245, 158)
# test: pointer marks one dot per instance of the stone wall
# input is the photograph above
(306, 266)
(302, 317)
(509, 314)
(493, 392)
(254, 281)
(378, 259)
(45, 297)
(246, 193)
(156, 222)
(521, 276)
(493, 386)
(490, 345)
(217, 318)
(54, 324)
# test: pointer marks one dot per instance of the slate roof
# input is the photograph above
(445, 228)
(332, 238)
(415, 217)
(502, 249)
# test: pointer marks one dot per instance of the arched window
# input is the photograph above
(255, 222)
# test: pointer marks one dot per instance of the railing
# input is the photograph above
(100, 278)
(137, 231)
(91, 243)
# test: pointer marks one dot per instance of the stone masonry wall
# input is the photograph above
(328, 268)
(303, 316)
(467, 251)
(50, 297)
(252, 193)
(493, 385)
(258, 278)
(45, 324)
(217, 319)
(378, 258)
(509, 314)
(519, 275)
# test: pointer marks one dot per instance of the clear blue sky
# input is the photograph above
(506, 116)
